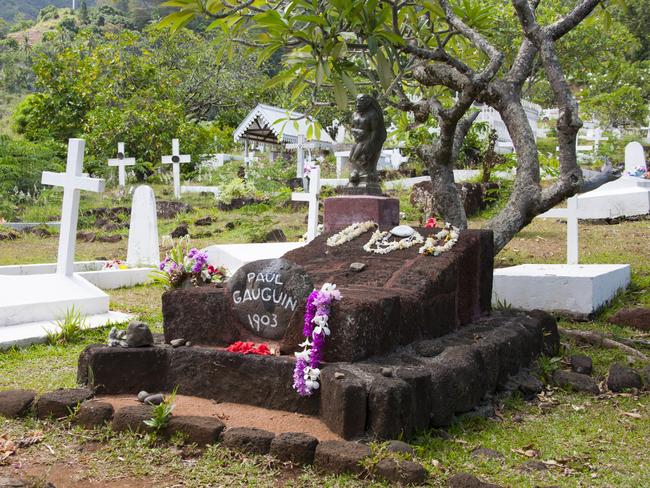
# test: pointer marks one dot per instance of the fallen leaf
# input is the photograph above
(634, 415)
(527, 451)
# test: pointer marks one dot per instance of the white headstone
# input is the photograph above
(121, 162)
(72, 182)
(143, 247)
(312, 198)
(176, 159)
(634, 156)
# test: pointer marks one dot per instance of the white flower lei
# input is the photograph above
(450, 236)
(350, 232)
(384, 246)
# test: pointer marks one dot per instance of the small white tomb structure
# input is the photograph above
(273, 127)
(121, 162)
(576, 290)
(176, 159)
(30, 303)
(628, 196)
(143, 248)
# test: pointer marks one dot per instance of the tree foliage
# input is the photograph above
(431, 59)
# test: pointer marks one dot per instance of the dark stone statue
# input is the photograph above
(369, 134)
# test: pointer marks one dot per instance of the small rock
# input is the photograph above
(530, 386)
(645, 376)
(177, 342)
(248, 439)
(188, 344)
(533, 465)
(484, 452)
(16, 403)
(581, 364)
(113, 238)
(180, 231)
(339, 457)
(400, 471)
(357, 267)
(276, 235)
(201, 431)
(339, 376)
(387, 372)
(86, 236)
(637, 318)
(203, 221)
(142, 396)
(621, 378)
(465, 480)
(297, 447)
(483, 411)
(61, 403)
(93, 414)
(138, 335)
(401, 447)
(155, 399)
(12, 482)
(576, 381)
(230, 225)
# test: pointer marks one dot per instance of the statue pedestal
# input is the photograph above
(339, 212)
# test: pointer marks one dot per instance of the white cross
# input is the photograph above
(121, 162)
(300, 147)
(572, 231)
(72, 181)
(312, 198)
(176, 159)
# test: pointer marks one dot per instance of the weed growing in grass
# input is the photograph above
(68, 330)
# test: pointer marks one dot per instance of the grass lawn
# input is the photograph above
(585, 441)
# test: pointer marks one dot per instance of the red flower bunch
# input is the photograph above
(249, 348)
(431, 223)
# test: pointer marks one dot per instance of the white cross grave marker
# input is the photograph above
(121, 162)
(300, 147)
(176, 159)
(572, 230)
(72, 181)
(312, 198)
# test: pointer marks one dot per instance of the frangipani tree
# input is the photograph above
(429, 58)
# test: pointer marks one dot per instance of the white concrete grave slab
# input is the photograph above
(634, 157)
(628, 196)
(28, 301)
(143, 247)
(176, 159)
(234, 256)
(573, 289)
(121, 162)
(312, 198)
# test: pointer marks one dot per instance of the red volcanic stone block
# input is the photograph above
(341, 457)
(132, 418)
(16, 403)
(339, 212)
(61, 403)
(296, 447)
(201, 431)
(248, 439)
(93, 414)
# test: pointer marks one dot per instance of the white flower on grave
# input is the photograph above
(321, 325)
(304, 354)
(312, 374)
(330, 289)
(306, 343)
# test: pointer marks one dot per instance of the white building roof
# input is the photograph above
(269, 124)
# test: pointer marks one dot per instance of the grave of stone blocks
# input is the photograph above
(413, 340)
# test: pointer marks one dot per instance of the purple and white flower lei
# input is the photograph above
(307, 373)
